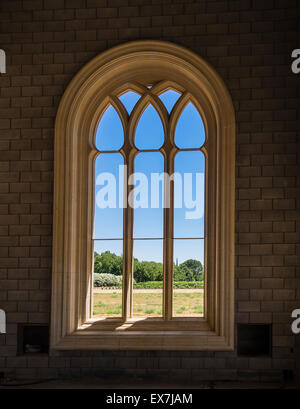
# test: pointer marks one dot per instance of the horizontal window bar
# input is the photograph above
(155, 238)
(148, 238)
(102, 152)
(107, 239)
(154, 150)
(188, 238)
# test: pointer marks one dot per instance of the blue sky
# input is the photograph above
(148, 222)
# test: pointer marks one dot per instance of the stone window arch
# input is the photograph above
(132, 66)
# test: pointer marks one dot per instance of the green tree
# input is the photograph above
(108, 263)
(147, 271)
(192, 269)
(179, 273)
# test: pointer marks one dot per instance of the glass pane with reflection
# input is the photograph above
(148, 278)
(190, 132)
(188, 279)
(148, 195)
(129, 100)
(108, 276)
(109, 196)
(189, 193)
(169, 98)
(149, 132)
(110, 133)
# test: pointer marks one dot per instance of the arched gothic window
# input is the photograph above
(158, 134)
(140, 109)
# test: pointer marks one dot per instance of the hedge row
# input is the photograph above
(111, 280)
(107, 280)
(176, 284)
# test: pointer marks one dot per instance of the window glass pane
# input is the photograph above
(189, 185)
(109, 187)
(148, 278)
(108, 275)
(148, 195)
(169, 98)
(129, 99)
(188, 282)
(149, 132)
(110, 134)
(190, 131)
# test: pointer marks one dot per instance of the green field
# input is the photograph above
(148, 303)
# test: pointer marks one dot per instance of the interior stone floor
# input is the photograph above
(120, 384)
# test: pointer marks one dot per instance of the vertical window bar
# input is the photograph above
(168, 235)
(127, 235)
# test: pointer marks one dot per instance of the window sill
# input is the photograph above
(145, 334)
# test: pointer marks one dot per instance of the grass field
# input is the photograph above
(148, 303)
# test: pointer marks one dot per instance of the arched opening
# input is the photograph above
(96, 91)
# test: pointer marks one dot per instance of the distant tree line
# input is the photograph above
(110, 263)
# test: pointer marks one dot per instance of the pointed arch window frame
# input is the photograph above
(95, 87)
(129, 152)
